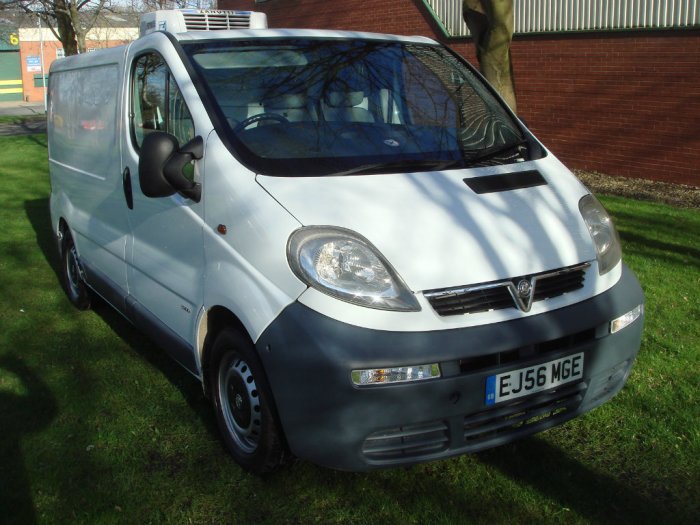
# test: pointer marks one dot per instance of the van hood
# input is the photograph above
(437, 232)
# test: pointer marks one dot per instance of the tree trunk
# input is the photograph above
(491, 25)
(64, 26)
(77, 28)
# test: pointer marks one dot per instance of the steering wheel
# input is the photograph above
(259, 118)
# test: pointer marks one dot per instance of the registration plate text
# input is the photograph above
(536, 378)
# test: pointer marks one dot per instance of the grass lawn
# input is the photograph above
(98, 426)
(20, 119)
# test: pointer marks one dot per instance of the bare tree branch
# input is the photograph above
(71, 20)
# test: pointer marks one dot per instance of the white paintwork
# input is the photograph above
(86, 180)
(247, 34)
(438, 233)
(173, 20)
(164, 250)
(246, 269)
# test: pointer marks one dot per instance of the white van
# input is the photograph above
(348, 238)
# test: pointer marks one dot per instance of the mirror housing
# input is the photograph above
(161, 166)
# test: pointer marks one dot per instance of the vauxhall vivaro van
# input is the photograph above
(348, 238)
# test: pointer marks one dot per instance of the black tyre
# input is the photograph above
(244, 405)
(73, 281)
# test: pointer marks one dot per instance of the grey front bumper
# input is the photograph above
(328, 420)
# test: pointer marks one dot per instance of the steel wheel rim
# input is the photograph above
(240, 403)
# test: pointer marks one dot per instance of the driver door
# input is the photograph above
(165, 256)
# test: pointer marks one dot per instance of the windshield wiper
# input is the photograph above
(404, 166)
(489, 153)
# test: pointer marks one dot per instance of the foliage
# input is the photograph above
(98, 426)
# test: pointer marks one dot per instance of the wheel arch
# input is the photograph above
(60, 232)
(211, 323)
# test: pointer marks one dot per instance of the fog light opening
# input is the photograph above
(627, 319)
(400, 374)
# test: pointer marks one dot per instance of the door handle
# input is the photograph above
(128, 194)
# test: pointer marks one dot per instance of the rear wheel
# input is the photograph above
(243, 404)
(73, 281)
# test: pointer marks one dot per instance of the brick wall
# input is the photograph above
(625, 104)
(619, 103)
(34, 93)
(406, 17)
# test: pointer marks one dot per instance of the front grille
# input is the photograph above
(504, 294)
(407, 441)
(489, 428)
(560, 283)
(468, 365)
(523, 416)
(222, 20)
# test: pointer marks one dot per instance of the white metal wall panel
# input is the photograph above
(543, 16)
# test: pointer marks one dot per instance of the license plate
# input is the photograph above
(525, 381)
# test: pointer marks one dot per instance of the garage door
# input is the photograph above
(10, 76)
(10, 71)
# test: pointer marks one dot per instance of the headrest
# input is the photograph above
(286, 102)
(346, 99)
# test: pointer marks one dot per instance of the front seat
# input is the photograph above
(343, 106)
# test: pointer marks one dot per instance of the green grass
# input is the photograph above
(20, 119)
(97, 426)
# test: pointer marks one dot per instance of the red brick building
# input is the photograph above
(619, 102)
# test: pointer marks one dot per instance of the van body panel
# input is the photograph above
(164, 253)
(438, 233)
(164, 270)
(86, 180)
(275, 33)
(248, 263)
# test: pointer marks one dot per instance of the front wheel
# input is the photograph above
(73, 281)
(243, 404)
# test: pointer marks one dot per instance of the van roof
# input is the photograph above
(247, 34)
(110, 55)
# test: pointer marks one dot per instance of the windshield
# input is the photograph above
(301, 107)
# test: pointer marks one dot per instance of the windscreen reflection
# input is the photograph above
(316, 107)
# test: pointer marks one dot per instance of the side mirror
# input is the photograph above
(162, 164)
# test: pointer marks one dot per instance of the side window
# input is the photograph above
(179, 121)
(157, 103)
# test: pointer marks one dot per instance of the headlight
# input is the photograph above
(343, 264)
(603, 233)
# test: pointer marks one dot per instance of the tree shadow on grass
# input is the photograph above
(446, 491)
(573, 485)
(189, 387)
(39, 139)
(37, 211)
(27, 406)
